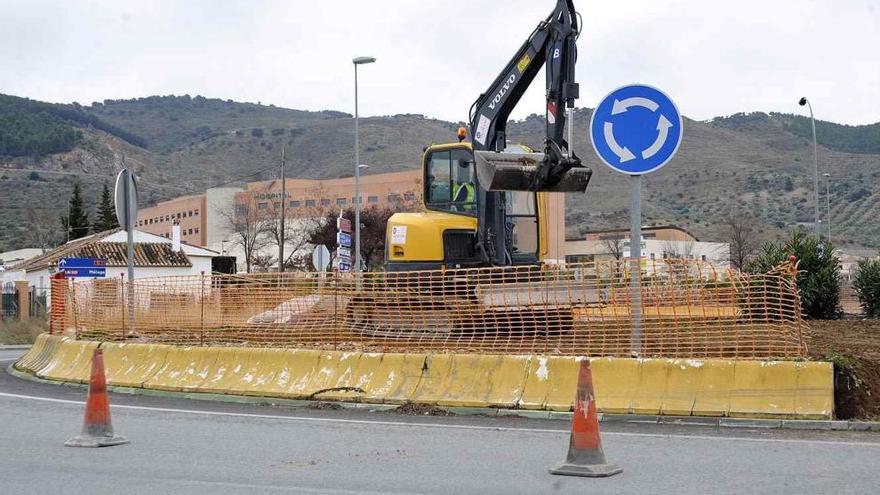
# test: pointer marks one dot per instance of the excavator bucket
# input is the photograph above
(513, 171)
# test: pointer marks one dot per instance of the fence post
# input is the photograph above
(202, 303)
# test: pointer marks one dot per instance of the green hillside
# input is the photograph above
(759, 164)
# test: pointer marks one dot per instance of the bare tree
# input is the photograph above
(295, 235)
(678, 249)
(246, 221)
(740, 232)
(614, 242)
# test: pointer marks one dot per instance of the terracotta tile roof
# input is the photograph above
(146, 254)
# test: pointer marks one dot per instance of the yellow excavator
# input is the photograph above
(486, 206)
(485, 201)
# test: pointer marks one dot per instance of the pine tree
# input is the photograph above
(76, 223)
(106, 214)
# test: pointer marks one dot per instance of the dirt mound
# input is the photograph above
(854, 348)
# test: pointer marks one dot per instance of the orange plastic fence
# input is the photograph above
(688, 308)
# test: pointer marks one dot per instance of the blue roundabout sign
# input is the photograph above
(636, 129)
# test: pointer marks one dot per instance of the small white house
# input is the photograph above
(154, 256)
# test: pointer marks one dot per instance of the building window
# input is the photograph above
(652, 255)
(190, 213)
(703, 257)
(394, 198)
(325, 202)
(340, 201)
(294, 204)
(262, 206)
(310, 203)
(409, 196)
(197, 212)
(354, 200)
(178, 215)
(372, 199)
(197, 230)
(276, 205)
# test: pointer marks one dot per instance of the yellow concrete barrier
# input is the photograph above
(763, 389)
(434, 379)
(393, 379)
(226, 371)
(682, 383)
(300, 365)
(615, 383)
(72, 362)
(46, 353)
(651, 386)
(334, 376)
(814, 398)
(130, 365)
(484, 380)
(550, 383)
(25, 363)
(266, 374)
(184, 369)
(716, 382)
(640, 386)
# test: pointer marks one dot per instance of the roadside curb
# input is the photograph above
(696, 421)
(15, 347)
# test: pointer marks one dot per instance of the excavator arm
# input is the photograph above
(553, 45)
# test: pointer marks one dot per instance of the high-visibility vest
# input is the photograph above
(469, 196)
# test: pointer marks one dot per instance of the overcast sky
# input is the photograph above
(436, 56)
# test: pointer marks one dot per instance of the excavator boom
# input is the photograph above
(553, 45)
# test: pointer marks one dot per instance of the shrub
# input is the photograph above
(867, 285)
(818, 275)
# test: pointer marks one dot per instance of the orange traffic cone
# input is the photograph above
(97, 430)
(585, 454)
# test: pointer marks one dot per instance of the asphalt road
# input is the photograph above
(186, 446)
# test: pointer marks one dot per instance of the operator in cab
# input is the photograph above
(464, 195)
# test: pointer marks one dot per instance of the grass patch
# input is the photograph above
(21, 332)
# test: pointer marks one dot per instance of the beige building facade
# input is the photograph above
(316, 197)
(187, 211)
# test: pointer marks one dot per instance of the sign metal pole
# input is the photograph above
(129, 229)
(635, 254)
(635, 130)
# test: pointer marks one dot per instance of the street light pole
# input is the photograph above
(828, 201)
(803, 101)
(357, 169)
(283, 225)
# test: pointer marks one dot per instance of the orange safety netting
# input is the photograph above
(688, 309)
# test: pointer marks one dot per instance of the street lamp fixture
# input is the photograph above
(803, 101)
(357, 169)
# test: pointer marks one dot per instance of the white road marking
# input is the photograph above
(439, 425)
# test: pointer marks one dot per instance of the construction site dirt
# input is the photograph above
(854, 347)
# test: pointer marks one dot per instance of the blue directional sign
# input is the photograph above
(83, 267)
(343, 239)
(636, 129)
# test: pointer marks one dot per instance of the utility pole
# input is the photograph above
(283, 214)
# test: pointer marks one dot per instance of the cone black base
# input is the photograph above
(87, 441)
(590, 471)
